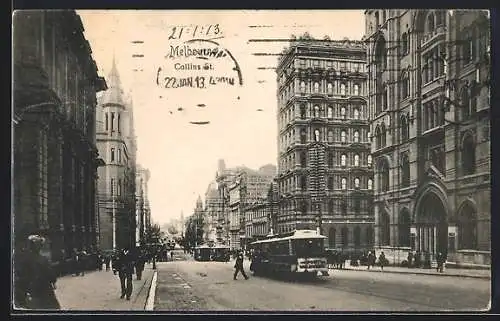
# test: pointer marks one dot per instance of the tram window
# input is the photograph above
(308, 247)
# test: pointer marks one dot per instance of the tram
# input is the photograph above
(300, 252)
(202, 253)
(219, 253)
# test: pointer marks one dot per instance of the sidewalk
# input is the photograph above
(100, 290)
(471, 273)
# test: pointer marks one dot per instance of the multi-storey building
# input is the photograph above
(429, 74)
(224, 178)
(212, 208)
(325, 176)
(254, 187)
(116, 184)
(142, 176)
(55, 158)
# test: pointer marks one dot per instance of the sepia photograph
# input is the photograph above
(168, 161)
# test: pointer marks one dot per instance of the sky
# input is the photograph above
(182, 157)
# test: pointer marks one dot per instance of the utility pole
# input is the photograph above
(114, 213)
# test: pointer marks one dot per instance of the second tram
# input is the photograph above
(300, 252)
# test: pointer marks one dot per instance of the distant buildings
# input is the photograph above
(55, 159)
(117, 179)
(143, 211)
(429, 80)
(325, 175)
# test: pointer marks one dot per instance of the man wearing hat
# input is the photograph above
(34, 278)
(125, 272)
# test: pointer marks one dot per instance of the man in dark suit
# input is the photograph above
(238, 265)
(125, 272)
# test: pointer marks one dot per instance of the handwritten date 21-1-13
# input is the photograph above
(196, 31)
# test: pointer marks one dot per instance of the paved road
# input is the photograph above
(194, 286)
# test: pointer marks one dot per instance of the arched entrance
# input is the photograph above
(431, 225)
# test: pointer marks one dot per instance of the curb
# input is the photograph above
(150, 300)
(484, 277)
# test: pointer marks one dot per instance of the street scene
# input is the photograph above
(251, 160)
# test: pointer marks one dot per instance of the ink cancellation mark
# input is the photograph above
(198, 63)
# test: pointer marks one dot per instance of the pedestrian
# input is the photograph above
(107, 261)
(238, 266)
(35, 280)
(370, 260)
(172, 255)
(83, 261)
(410, 259)
(139, 265)
(440, 262)
(126, 269)
(381, 260)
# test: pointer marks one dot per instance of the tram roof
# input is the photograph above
(297, 235)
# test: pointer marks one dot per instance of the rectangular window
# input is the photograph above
(112, 186)
(119, 155)
(118, 122)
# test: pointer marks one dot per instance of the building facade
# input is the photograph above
(212, 209)
(142, 215)
(325, 175)
(116, 183)
(429, 74)
(55, 158)
(225, 178)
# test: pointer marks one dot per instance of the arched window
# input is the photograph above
(303, 159)
(405, 85)
(356, 137)
(369, 160)
(343, 207)
(316, 111)
(316, 87)
(330, 112)
(342, 89)
(404, 44)
(112, 154)
(404, 128)
(378, 137)
(467, 228)
(356, 160)
(316, 135)
(385, 236)
(404, 224)
(440, 18)
(383, 135)
(357, 237)
(303, 136)
(468, 155)
(302, 111)
(329, 88)
(302, 86)
(369, 236)
(344, 183)
(106, 121)
(385, 100)
(405, 170)
(356, 113)
(370, 184)
(343, 136)
(345, 237)
(330, 159)
(343, 113)
(430, 23)
(343, 160)
(330, 183)
(465, 103)
(330, 136)
(383, 172)
(356, 182)
(356, 90)
(331, 238)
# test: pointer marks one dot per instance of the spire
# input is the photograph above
(114, 94)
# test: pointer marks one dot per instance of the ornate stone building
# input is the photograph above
(116, 185)
(324, 164)
(212, 209)
(429, 80)
(55, 158)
